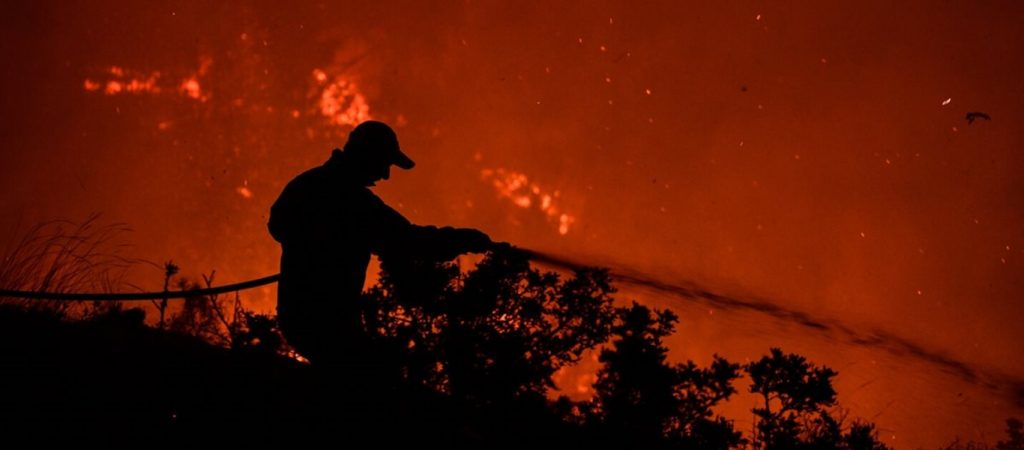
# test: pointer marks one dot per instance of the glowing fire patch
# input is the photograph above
(340, 101)
(127, 82)
(118, 80)
(516, 186)
(191, 89)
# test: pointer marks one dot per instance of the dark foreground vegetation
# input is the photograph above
(466, 360)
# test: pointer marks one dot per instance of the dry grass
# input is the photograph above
(64, 256)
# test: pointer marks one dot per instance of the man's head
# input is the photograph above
(373, 148)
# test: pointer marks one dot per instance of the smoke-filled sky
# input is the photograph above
(813, 156)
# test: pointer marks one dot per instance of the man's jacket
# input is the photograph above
(328, 225)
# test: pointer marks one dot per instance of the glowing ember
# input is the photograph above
(517, 187)
(564, 221)
(340, 100)
(190, 88)
(122, 81)
(128, 81)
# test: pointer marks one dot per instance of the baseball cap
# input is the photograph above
(374, 136)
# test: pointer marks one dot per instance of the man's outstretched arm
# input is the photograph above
(393, 236)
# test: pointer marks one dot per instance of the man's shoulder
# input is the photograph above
(318, 178)
(321, 180)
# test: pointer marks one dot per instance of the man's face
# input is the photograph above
(378, 170)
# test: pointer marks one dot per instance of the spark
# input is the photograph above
(947, 101)
(647, 91)
(244, 192)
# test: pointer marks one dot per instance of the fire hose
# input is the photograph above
(194, 293)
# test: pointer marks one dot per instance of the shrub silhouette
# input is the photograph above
(491, 335)
(642, 401)
(1014, 435)
(797, 396)
(485, 343)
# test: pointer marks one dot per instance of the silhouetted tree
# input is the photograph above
(795, 393)
(495, 333)
(862, 436)
(1014, 434)
(958, 444)
(797, 397)
(699, 390)
(642, 401)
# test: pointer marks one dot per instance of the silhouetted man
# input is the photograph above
(328, 223)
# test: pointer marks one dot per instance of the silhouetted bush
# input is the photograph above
(495, 333)
(642, 401)
(797, 397)
(475, 353)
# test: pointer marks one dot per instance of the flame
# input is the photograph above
(125, 81)
(516, 186)
(340, 100)
(190, 87)
(119, 80)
